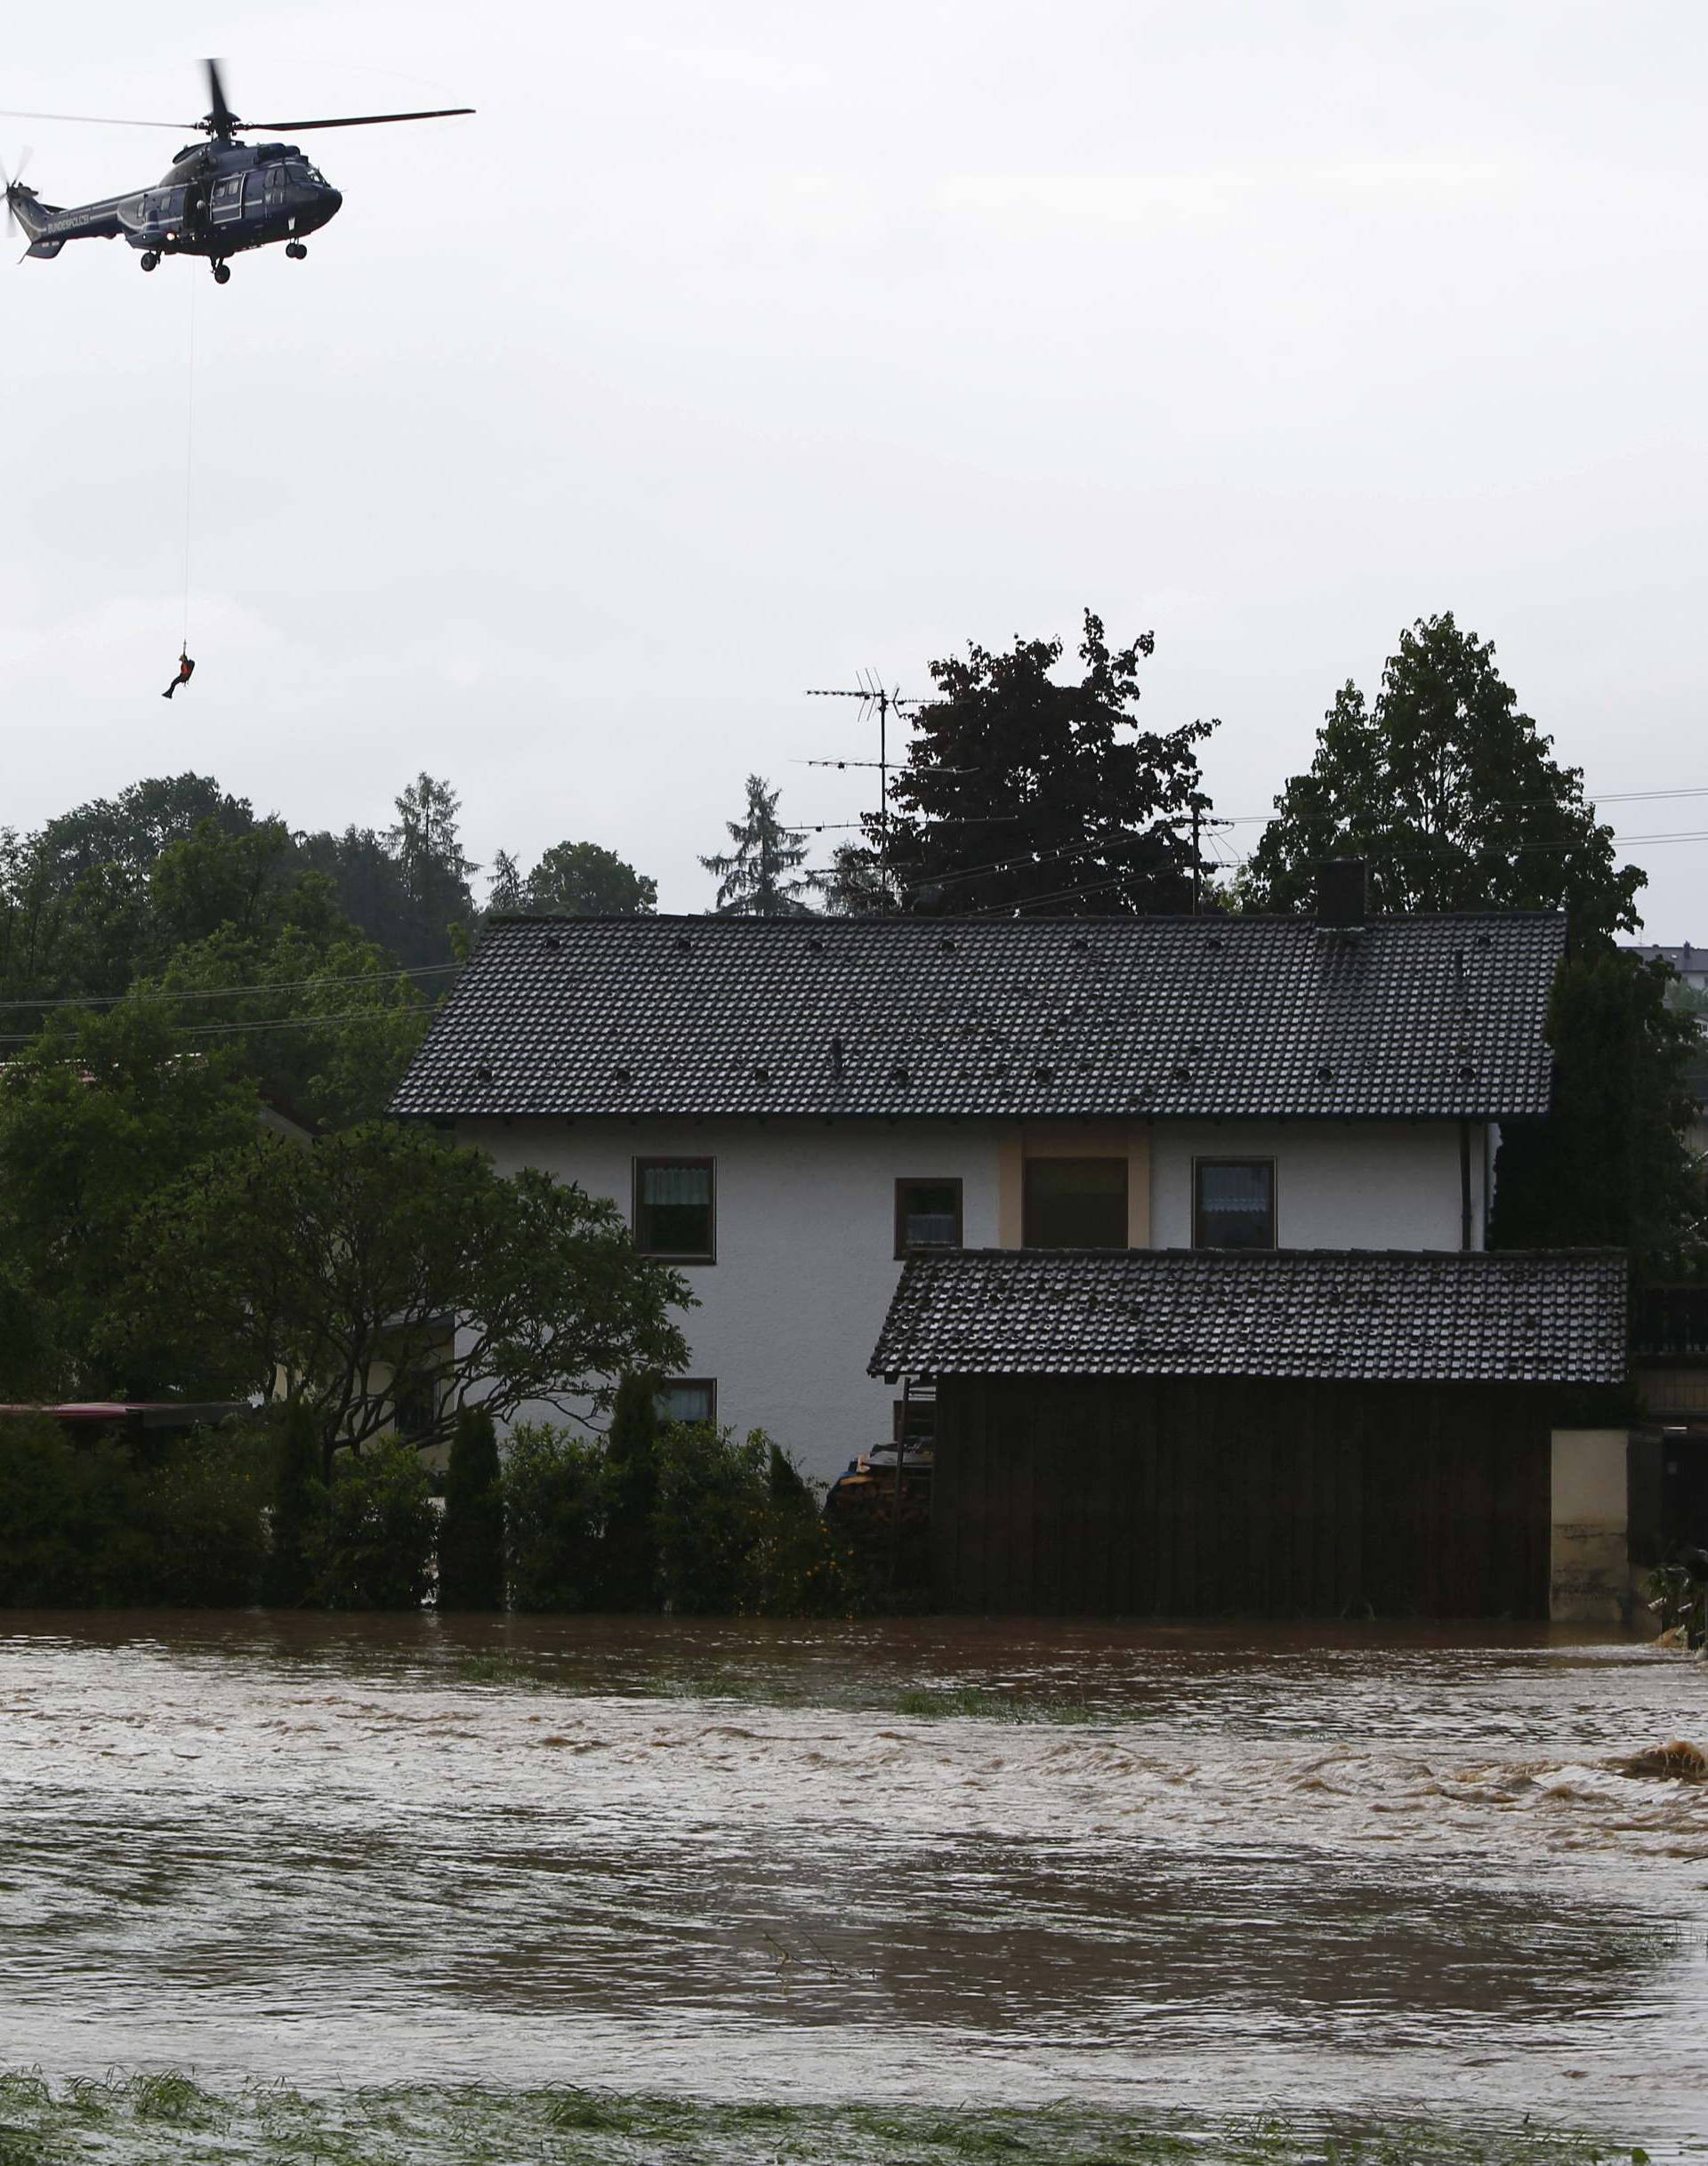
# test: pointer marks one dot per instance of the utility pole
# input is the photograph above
(1198, 819)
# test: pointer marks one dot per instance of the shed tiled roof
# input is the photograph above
(1434, 1018)
(1342, 1316)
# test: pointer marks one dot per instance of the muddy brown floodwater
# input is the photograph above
(1358, 1871)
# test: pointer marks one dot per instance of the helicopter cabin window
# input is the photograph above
(257, 187)
(227, 200)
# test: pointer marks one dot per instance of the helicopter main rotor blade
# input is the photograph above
(101, 120)
(220, 118)
(359, 120)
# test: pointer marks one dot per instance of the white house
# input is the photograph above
(789, 1110)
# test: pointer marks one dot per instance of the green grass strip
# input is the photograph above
(169, 2119)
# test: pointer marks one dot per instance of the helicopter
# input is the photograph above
(220, 197)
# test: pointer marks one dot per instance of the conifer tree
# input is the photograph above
(471, 1533)
(762, 875)
(298, 1506)
(631, 1477)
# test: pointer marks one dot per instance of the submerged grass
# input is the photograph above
(943, 1703)
(168, 2119)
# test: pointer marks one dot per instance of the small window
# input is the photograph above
(1076, 1203)
(674, 1210)
(1233, 1204)
(415, 1404)
(928, 1216)
(688, 1399)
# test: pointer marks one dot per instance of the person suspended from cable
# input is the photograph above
(186, 671)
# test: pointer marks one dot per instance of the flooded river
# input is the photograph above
(1204, 1870)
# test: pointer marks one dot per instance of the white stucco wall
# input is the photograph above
(790, 1311)
(806, 1267)
(1337, 1184)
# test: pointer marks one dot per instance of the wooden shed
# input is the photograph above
(1192, 1433)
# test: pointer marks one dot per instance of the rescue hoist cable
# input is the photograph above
(189, 455)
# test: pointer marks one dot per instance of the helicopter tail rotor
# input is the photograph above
(11, 181)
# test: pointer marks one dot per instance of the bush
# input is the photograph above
(69, 1532)
(733, 1529)
(554, 1488)
(710, 1518)
(380, 1526)
(96, 1526)
(739, 1532)
(200, 1508)
(471, 1533)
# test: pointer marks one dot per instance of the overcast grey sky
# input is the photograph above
(731, 349)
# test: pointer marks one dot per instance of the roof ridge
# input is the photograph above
(900, 922)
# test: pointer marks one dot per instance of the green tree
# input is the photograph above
(326, 1276)
(133, 829)
(299, 1513)
(554, 1518)
(1611, 1166)
(368, 886)
(630, 1576)
(762, 875)
(1450, 793)
(436, 872)
(212, 882)
(319, 1015)
(854, 886)
(380, 1527)
(1019, 792)
(577, 880)
(471, 1532)
(98, 1115)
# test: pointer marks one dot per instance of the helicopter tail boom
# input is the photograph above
(48, 225)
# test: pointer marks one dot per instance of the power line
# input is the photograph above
(246, 1030)
(278, 984)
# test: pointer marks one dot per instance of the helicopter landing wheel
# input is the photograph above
(151, 261)
(221, 273)
(295, 250)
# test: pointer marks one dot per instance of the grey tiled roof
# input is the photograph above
(1342, 1315)
(1430, 1016)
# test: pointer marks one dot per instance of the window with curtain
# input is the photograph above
(1233, 1204)
(674, 1208)
(688, 1399)
(928, 1215)
(1076, 1203)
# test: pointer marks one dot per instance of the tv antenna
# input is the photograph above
(874, 698)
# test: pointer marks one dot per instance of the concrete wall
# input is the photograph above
(806, 1267)
(1589, 1575)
